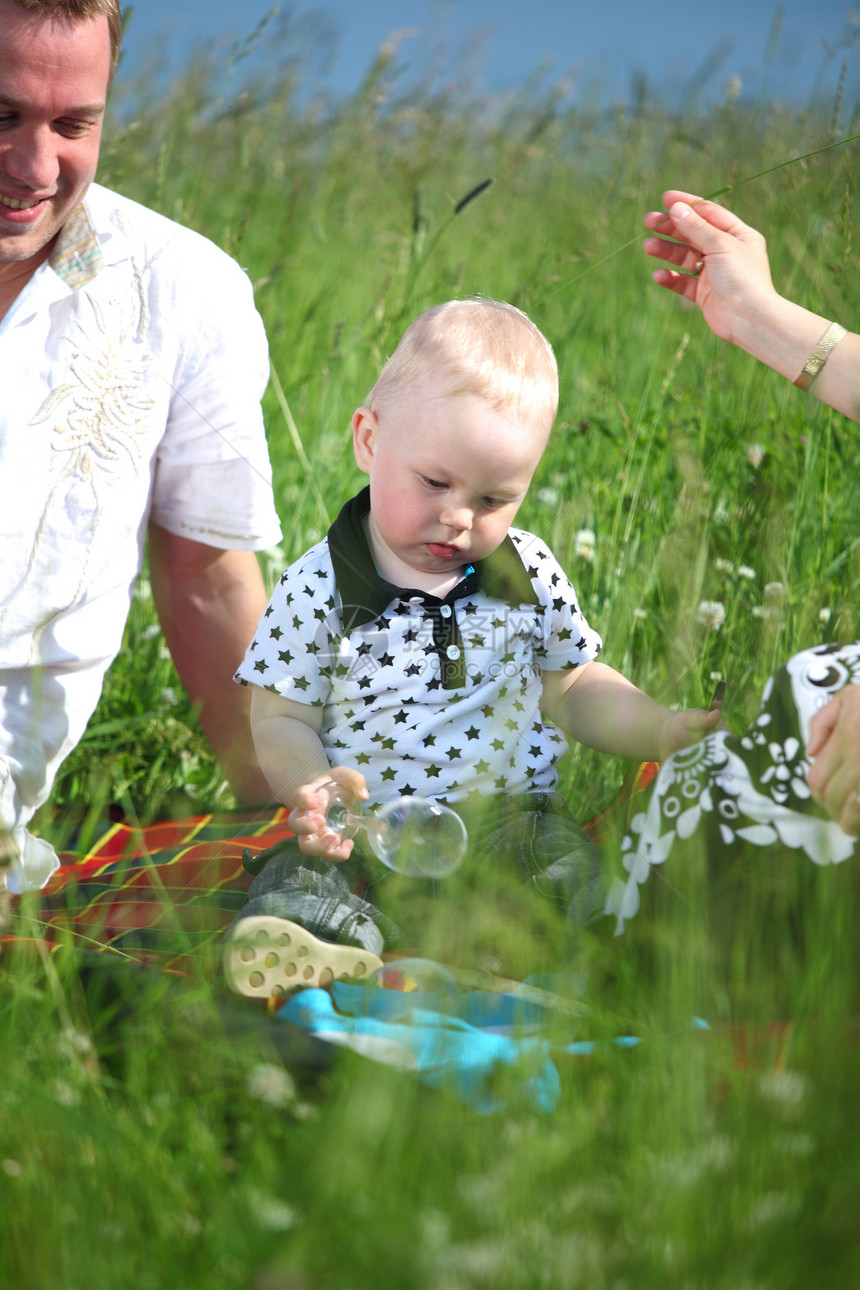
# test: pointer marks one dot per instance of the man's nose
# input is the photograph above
(31, 160)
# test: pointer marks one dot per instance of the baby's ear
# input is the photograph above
(364, 427)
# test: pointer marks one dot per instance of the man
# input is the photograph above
(132, 361)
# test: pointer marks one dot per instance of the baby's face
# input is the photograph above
(447, 476)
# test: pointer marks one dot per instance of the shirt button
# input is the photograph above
(445, 611)
(453, 651)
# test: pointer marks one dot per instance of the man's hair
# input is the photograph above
(475, 346)
(76, 11)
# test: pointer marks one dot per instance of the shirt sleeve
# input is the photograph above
(567, 639)
(296, 645)
(212, 476)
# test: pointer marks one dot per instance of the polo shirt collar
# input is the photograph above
(365, 594)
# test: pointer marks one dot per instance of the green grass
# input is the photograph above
(136, 1142)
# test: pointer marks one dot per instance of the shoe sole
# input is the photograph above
(267, 958)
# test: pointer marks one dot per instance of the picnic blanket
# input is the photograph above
(158, 892)
(153, 893)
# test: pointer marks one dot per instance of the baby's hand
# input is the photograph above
(680, 729)
(310, 803)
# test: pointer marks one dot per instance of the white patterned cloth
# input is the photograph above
(435, 698)
(730, 792)
(131, 366)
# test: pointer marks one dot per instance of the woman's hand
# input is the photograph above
(834, 748)
(734, 279)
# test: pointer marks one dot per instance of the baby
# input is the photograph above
(426, 647)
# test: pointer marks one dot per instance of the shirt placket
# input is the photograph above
(447, 642)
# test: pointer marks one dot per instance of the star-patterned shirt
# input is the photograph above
(428, 697)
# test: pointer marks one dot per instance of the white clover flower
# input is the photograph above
(272, 1085)
(786, 1089)
(187, 1224)
(711, 614)
(75, 1043)
(744, 571)
(824, 614)
(11, 1168)
(64, 1093)
(734, 85)
(775, 592)
(584, 544)
(143, 589)
(716, 676)
(273, 1213)
(150, 631)
(724, 566)
(640, 613)
(548, 496)
(168, 697)
(755, 455)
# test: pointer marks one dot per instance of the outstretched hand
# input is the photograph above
(834, 748)
(735, 274)
(308, 817)
(680, 729)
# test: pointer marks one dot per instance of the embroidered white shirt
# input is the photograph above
(131, 369)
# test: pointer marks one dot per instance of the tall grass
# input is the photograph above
(144, 1140)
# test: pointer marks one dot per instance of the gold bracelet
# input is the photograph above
(819, 356)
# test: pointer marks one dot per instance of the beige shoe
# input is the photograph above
(266, 957)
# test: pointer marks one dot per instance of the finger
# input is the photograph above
(821, 727)
(849, 820)
(704, 224)
(327, 846)
(338, 850)
(677, 253)
(683, 284)
(348, 776)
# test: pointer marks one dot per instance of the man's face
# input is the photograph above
(53, 86)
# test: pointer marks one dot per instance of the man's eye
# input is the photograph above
(74, 129)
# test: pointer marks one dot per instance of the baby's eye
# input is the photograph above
(433, 483)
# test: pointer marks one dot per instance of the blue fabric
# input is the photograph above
(405, 1029)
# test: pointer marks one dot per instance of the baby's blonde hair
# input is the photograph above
(476, 346)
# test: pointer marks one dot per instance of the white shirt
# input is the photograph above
(131, 370)
(374, 657)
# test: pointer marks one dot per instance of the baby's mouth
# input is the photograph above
(443, 550)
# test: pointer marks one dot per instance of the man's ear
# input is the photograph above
(364, 427)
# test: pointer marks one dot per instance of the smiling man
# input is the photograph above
(132, 362)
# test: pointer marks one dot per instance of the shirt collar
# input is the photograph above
(365, 595)
(77, 255)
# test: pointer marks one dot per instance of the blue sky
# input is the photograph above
(583, 40)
